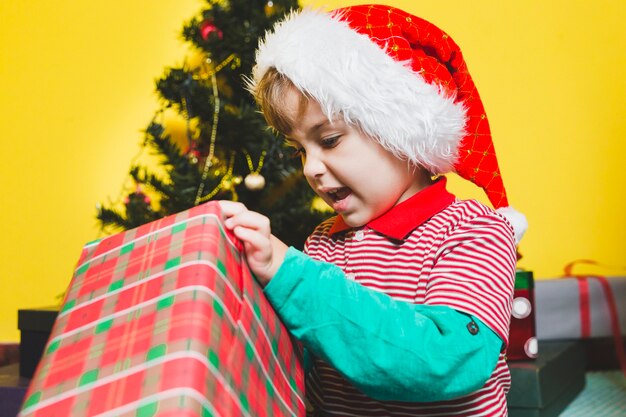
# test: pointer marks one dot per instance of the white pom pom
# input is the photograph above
(517, 220)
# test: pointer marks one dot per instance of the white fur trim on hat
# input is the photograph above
(352, 77)
(517, 220)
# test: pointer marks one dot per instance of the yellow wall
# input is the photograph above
(76, 88)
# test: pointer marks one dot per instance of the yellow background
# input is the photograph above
(77, 87)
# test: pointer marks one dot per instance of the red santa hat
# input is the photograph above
(401, 79)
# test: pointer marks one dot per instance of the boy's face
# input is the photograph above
(349, 170)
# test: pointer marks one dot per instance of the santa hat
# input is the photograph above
(401, 79)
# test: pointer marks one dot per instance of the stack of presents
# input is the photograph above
(166, 320)
(560, 328)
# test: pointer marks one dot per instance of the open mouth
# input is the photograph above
(339, 194)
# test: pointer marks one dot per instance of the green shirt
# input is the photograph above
(389, 349)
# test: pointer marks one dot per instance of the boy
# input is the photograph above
(402, 301)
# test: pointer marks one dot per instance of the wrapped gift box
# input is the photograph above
(545, 386)
(167, 320)
(558, 308)
(590, 308)
(522, 336)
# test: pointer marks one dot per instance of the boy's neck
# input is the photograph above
(423, 180)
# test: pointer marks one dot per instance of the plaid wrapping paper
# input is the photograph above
(167, 320)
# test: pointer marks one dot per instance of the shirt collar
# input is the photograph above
(403, 218)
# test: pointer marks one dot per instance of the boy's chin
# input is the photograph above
(354, 220)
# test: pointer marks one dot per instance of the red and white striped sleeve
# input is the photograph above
(474, 270)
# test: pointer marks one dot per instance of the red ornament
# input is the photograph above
(136, 195)
(208, 28)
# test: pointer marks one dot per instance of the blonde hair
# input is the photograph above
(270, 92)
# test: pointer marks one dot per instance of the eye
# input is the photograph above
(330, 142)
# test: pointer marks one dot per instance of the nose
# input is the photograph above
(313, 166)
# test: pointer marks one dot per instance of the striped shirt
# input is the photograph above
(430, 249)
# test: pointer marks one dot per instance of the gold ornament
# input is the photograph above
(254, 181)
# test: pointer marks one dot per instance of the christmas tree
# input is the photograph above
(229, 152)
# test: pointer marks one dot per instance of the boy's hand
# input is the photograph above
(264, 252)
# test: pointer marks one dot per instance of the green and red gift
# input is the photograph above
(522, 335)
(167, 320)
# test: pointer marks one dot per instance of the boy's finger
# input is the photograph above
(231, 208)
(250, 220)
(254, 238)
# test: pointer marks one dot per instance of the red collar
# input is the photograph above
(403, 218)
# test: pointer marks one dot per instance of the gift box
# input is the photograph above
(543, 387)
(522, 335)
(564, 312)
(35, 326)
(591, 308)
(167, 320)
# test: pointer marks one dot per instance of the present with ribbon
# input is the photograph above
(167, 320)
(544, 386)
(583, 306)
